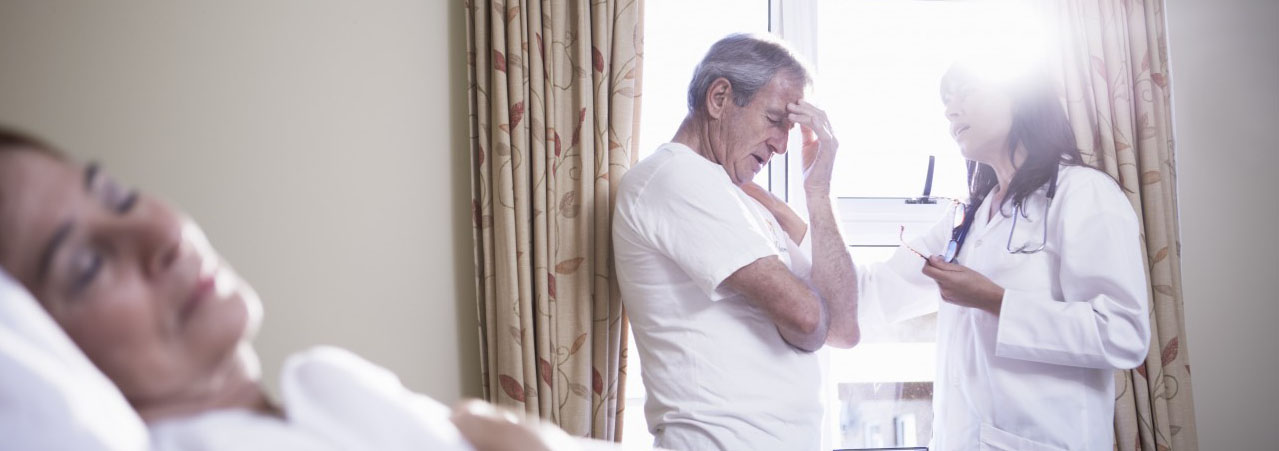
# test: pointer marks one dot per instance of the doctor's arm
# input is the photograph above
(1104, 322)
(841, 280)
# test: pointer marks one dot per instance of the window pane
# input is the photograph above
(883, 386)
(677, 34)
(885, 414)
(880, 66)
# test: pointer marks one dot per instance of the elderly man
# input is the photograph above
(726, 304)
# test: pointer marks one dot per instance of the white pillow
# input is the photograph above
(51, 396)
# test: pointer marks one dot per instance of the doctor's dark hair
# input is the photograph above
(1039, 124)
(748, 62)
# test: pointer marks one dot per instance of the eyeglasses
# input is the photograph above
(959, 215)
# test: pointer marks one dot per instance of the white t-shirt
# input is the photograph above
(718, 373)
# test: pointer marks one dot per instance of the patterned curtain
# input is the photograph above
(554, 122)
(1114, 71)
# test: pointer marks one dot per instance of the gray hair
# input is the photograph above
(748, 62)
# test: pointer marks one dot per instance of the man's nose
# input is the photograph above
(777, 142)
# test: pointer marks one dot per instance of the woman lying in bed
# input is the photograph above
(135, 284)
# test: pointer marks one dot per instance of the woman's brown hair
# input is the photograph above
(1040, 125)
(14, 139)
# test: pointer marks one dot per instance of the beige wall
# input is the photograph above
(1225, 81)
(321, 144)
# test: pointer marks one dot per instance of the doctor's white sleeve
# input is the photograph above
(1103, 321)
(897, 289)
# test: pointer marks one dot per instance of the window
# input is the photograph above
(878, 65)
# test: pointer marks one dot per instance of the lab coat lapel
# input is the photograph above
(983, 223)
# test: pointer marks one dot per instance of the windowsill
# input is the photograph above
(884, 363)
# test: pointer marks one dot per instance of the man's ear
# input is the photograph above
(718, 96)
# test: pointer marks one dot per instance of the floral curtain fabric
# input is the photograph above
(554, 112)
(1113, 65)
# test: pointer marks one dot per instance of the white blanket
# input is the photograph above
(332, 400)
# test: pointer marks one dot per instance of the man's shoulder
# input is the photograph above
(671, 169)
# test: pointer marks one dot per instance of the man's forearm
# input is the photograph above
(833, 274)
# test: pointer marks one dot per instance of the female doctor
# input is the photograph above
(1040, 278)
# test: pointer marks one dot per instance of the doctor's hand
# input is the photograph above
(964, 287)
(790, 221)
(820, 146)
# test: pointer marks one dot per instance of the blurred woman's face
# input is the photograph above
(980, 118)
(134, 283)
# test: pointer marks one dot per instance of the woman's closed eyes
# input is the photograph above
(88, 257)
(86, 264)
(114, 195)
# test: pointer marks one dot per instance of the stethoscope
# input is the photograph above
(959, 233)
(1020, 211)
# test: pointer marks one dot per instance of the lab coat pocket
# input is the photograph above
(995, 439)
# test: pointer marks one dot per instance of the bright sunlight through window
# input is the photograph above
(879, 65)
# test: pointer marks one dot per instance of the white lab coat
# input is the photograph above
(1040, 376)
